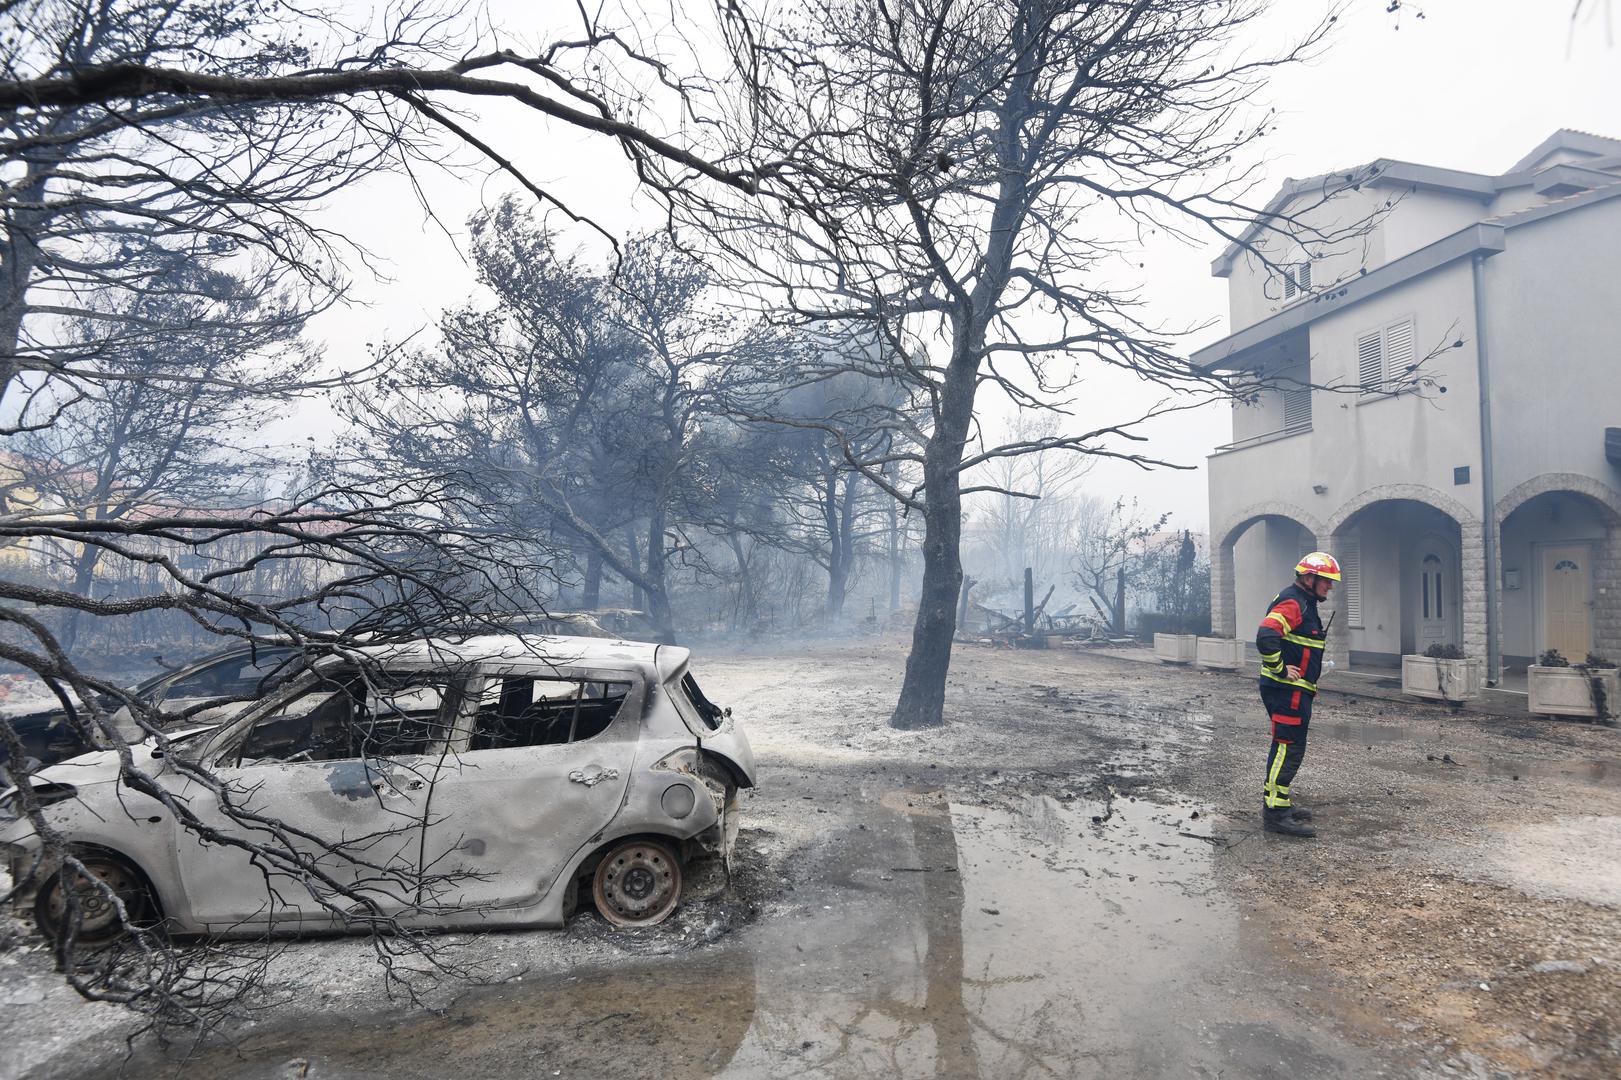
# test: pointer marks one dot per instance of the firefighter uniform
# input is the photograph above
(1291, 635)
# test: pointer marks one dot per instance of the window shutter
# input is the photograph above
(1350, 556)
(1296, 279)
(1398, 352)
(1370, 362)
(1297, 409)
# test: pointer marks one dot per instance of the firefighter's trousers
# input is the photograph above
(1289, 710)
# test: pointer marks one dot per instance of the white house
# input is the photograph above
(1442, 407)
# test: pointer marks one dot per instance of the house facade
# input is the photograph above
(1438, 362)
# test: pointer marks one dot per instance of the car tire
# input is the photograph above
(98, 916)
(637, 883)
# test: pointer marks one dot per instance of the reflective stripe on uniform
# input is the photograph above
(1305, 642)
(1286, 681)
(1273, 797)
(1280, 620)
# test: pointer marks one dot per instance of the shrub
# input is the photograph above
(1444, 652)
(1594, 660)
(1553, 658)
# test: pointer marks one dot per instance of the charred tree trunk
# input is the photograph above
(591, 593)
(923, 690)
(19, 256)
(892, 512)
(84, 572)
(746, 609)
(1120, 602)
(658, 588)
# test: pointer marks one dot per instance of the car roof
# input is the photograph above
(541, 650)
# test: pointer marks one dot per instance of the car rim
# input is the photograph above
(98, 915)
(638, 884)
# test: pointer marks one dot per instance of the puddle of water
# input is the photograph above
(945, 940)
(1037, 943)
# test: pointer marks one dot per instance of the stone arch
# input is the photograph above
(1607, 563)
(1548, 483)
(1223, 602)
(1251, 514)
(1419, 493)
(1471, 564)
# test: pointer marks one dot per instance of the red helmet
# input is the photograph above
(1320, 563)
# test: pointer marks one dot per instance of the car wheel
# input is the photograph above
(97, 914)
(637, 883)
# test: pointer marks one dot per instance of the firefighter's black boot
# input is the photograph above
(1300, 813)
(1283, 821)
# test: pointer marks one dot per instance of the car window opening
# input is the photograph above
(347, 719)
(521, 711)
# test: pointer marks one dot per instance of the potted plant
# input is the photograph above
(1176, 648)
(1219, 652)
(1559, 688)
(1442, 673)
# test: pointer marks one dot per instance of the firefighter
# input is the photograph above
(1291, 641)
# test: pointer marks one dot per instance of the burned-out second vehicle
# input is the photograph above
(470, 784)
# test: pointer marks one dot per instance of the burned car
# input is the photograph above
(470, 784)
(203, 691)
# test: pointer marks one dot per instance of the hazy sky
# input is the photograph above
(1472, 85)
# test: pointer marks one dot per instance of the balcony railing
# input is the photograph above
(1270, 436)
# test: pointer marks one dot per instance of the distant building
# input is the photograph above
(1507, 544)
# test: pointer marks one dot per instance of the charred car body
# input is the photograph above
(467, 784)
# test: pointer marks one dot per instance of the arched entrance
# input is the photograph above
(1414, 577)
(1561, 560)
(1250, 562)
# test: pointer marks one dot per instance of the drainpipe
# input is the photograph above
(1488, 490)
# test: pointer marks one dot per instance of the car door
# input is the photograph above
(334, 776)
(544, 770)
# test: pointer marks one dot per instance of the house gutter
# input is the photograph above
(1488, 488)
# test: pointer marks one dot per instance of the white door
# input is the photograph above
(1434, 600)
(1567, 599)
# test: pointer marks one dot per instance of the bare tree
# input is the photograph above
(969, 181)
(1028, 514)
(137, 136)
(1116, 550)
(159, 163)
(129, 444)
(577, 402)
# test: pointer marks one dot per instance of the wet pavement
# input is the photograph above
(1065, 881)
(945, 939)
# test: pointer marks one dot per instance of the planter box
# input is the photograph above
(1564, 691)
(1442, 680)
(1176, 648)
(1219, 652)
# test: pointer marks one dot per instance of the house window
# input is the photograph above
(1297, 409)
(1384, 358)
(1296, 279)
(1431, 573)
(1350, 553)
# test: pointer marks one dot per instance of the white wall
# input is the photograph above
(1553, 326)
(1357, 444)
(1421, 216)
(1253, 294)
(1263, 564)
